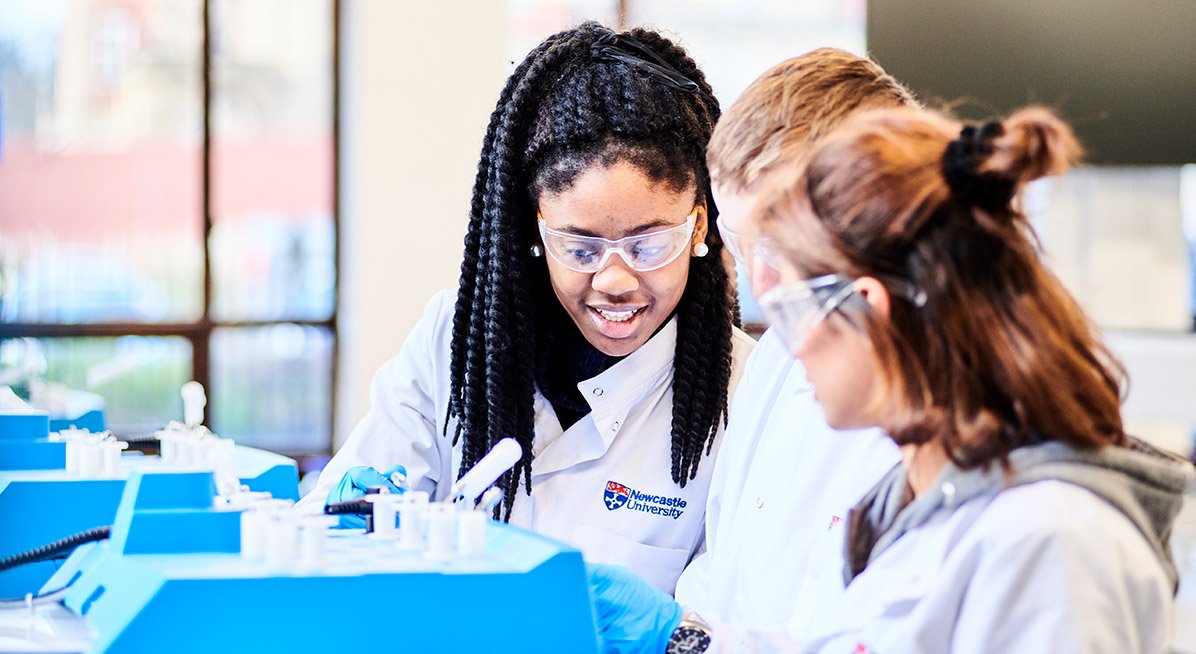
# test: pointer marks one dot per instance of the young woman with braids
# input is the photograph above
(593, 321)
(1022, 517)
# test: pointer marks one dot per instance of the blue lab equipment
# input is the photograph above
(82, 410)
(41, 502)
(171, 577)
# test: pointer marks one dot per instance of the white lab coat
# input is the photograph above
(1044, 567)
(984, 577)
(646, 521)
(782, 486)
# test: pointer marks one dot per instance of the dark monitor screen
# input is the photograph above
(1123, 72)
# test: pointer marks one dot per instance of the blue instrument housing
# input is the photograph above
(171, 578)
(41, 503)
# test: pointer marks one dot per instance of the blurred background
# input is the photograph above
(263, 194)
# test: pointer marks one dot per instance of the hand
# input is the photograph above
(355, 483)
(633, 615)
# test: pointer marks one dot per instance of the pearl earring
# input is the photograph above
(701, 250)
(537, 251)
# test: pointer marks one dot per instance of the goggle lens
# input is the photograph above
(796, 308)
(642, 252)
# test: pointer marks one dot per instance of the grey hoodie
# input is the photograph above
(1142, 482)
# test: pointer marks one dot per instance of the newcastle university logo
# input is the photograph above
(618, 496)
(615, 495)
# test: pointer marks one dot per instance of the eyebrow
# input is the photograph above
(639, 229)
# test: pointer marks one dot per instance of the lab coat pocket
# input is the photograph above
(823, 582)
(660, 566)
(905, 597)
(872, 610)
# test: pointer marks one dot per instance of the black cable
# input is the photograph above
(49, 550)
(359, 507)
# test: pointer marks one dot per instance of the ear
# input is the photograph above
(875, 294)
(701, 224)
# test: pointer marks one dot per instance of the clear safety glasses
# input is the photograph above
(643, 252)
(738, 245)
(796, 308)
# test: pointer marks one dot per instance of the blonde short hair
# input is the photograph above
(792, 105)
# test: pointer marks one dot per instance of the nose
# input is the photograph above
(615, 278)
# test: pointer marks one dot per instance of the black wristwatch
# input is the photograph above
(692, 636)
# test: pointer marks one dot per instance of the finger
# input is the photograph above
(397, 476)
(364, 477)
(343, 490)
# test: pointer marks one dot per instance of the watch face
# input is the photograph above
(688, 640)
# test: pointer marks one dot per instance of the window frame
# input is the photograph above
(200, 331)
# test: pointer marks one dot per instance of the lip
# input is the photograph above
(616, 329)
(615, 308)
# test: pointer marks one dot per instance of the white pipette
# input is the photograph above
(505, 454)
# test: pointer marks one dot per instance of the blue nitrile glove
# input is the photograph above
(354, 485)
(633, 615)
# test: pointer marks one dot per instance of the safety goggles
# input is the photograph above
(796, 308)
(642, 252)
(738, 245)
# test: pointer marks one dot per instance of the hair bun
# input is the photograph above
(1036, 143)
(964, 168)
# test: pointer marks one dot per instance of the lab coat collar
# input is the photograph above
(620, 383)
(611, 395)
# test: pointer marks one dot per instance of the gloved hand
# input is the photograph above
(633, 615)
(355, 483)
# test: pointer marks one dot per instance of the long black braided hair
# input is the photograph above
(583, 96)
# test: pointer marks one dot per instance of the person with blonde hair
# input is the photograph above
(781, 468)
(784, 480)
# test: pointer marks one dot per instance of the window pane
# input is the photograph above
(272, 238)
(1115, 236)
(100, 211)
(139, 377)
(272, 387)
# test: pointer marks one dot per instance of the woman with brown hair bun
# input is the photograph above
(1022, 518)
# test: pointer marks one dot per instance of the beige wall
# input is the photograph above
(419, 82)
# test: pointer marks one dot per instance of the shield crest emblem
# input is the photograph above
(616, 495)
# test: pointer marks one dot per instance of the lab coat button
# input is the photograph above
(759, 502)
(614, 426)
(598, 391)
(948, 490)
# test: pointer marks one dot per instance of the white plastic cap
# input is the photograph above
(194, 401)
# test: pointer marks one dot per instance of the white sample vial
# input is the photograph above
(471, 533)
(412, 513)
(253, 533)
(313, 538)
(384, 506)
(72, 455)
(89, 458)
(256, 524)
(442, 527)
(282, 540)
(110, 458)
